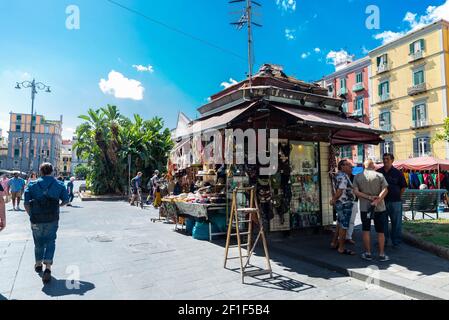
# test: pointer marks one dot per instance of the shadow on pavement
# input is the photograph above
(3, 298)
(59, 288)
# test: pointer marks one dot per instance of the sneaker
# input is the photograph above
(384, 258)
(46, 278)
(38, 269)
(367, 256)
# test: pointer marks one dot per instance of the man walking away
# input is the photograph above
(43, 198)
(372, 188)
(16, 187)
(393, 201)
(70, 191)
(136, 183)
(343, 200)
(355, 212)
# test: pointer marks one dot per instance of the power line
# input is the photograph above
(205, 42)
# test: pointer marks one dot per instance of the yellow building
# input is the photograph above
(409, 86)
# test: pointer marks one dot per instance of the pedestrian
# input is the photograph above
(136, 184)
(343, 201)
(70, 191)
(43, 198)
(2, 210)
(371, 188)
(157, 197)
(33, 177)
(16, 187)
(393, 201)
(4, 183)
(178, 189)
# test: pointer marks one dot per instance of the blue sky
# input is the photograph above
(176, 73)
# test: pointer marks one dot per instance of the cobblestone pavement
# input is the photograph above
(117, 253)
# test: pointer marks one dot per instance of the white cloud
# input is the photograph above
(365, 50)
(337, 57)
(121, 87)
(228, 84)
(286, 5)
(305, 55)
(142, 68)
(317, 50)
(415, 21)
(290, 34)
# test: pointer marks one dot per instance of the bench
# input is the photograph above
(424, 201)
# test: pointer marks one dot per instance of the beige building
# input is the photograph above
(65, 163)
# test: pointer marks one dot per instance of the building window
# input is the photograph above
(19, 117)
(384, 88)
(382, 60)
(360, 153)
(385, 120)
(16, 153)
(359, 106)
(417, 46)
(421, 146)
(32, 152)
(418, 77)
(345, 107)
(346, 152)
(46, 129)
(18, 127)
(419, 114)
(343, 83)
(359, 77)
(386, 147)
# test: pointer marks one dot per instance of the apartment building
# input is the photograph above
(409, 92)
(65, 163)
(351, 82)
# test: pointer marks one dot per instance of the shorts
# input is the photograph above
(379, 220)
(16, 195)
(344, 213)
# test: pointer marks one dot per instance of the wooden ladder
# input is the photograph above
(248, 213)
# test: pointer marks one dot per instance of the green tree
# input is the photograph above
(82, 171)
(443, 135)
(105, 140)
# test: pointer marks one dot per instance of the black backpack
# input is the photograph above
(44, 209)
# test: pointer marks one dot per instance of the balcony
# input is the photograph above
(417, 89)
(358, 87)
(418, 124)
(384, 67)
(357, 114)
(342, 92)
(418, 55)
(385, 97)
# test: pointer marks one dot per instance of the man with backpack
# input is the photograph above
(136, 184)
(43, 198)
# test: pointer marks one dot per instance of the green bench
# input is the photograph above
(423, 201)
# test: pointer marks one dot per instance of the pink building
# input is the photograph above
(350, 82)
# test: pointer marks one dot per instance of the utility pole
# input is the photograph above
(34, 87)
(247, 19)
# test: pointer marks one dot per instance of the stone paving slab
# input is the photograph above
(120, 254)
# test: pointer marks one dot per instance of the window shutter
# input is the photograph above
(412, 48)
(378, 61)
(415, 78)
(427, 147)
(415, 147)
(414, 114)
(422, 44)
(380, 89)
(388, 86)
(382, 149)
(424, 108)
(392, 147)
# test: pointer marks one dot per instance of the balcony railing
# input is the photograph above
(384, 97)
(416, 56)
(417, 89)
(343, 91)
(420, 124)
(358, 87)
(386, 127)
(384, 67)
(357, 113)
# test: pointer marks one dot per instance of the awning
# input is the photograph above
(346, 130)
(423, 163)
(218, 121)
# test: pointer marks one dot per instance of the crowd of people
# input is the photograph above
(43, 197)
(376, 196)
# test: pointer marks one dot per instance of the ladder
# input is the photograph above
(249, 213)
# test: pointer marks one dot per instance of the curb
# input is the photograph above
(425, 245)
(390, 285)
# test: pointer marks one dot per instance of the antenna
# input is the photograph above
(247, 19)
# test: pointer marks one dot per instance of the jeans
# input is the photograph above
(394, 212)
(44, 235)
(71, 197)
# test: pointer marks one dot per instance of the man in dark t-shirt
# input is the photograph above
(393, 201)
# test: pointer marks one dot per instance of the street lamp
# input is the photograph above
(35, 86)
